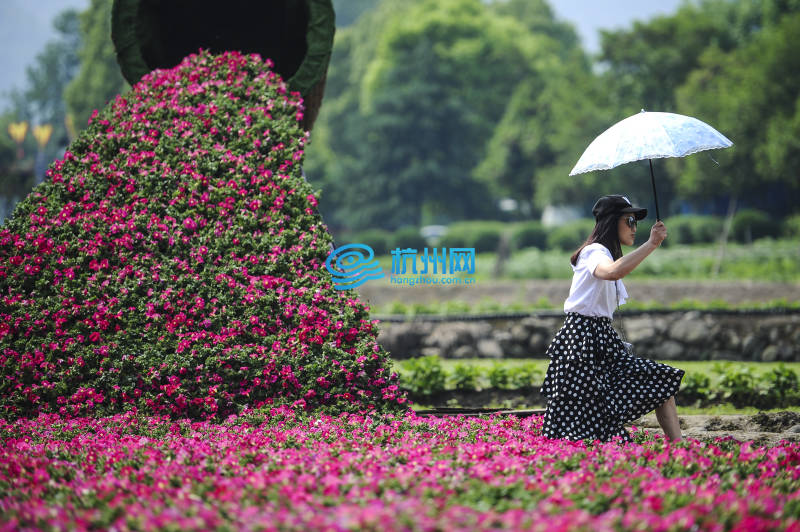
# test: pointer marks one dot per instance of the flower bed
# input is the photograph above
(174, 261)
(286, 472)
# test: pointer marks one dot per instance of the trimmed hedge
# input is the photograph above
(483, 235)
(692, 229)
(173, 262)
(407, 237)
(752, 224)
(380, 240)
(570, 236)
(530, 234)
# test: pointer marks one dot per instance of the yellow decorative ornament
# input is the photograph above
(42, 134)
(17, 131)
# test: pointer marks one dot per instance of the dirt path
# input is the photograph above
(762, 428)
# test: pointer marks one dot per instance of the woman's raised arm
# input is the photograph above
(614, 270)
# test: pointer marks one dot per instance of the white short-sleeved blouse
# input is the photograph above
(589, 295)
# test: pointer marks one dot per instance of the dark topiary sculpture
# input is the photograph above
(174, 262)
(297, 35)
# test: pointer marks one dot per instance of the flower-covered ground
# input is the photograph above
(174, 261)
(284, 471)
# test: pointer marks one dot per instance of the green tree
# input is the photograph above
(412, 106)
(646, 65)
(753, 95)
(538, 17)
(99, 79)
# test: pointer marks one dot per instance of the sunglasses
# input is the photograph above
(631, 221)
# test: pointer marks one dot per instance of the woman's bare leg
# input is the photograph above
(667, 416)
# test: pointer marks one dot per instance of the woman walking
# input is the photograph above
(593, 383)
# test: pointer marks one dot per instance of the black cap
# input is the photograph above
(616, 204)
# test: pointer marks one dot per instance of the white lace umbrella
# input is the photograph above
(649, 135)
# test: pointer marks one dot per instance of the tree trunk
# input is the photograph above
(723, 239)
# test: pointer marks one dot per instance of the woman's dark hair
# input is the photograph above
(605, 232)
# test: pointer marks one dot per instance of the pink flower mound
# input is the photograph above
(174, 261)
(387, 473)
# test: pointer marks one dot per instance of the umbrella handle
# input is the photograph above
(655, 194)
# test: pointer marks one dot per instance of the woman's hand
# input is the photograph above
(658, 233)
(612, 271)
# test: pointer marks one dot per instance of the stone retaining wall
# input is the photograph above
(691, 335)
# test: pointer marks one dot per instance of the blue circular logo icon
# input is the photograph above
(351, 267)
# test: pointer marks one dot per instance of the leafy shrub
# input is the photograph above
(499, 376)
(379, 240)
(425, 375)
(525, 375)
(570, 236)
(486, 239)
(695, 387)
(408, 237)
(174, 262)
(465, 377)
(735, 385)
(455, 238)
(530, 234)
(752, 224)
(484, 236)
(782, 384)
(692, 229)
(791, 226)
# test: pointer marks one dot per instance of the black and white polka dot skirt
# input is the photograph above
(593, 385)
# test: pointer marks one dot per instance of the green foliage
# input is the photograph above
(425, 375)
(408, 237)
(8, 149)
(464, 377)
(379, 240)
(570, 236)
(689, 229)
(749, 93)
(413, 96)
(695, 387)
(751, 224)
(99, 79)
(468, 375)
(529, 234)
(532, 263)
(449, 106)
(499, 376)
(524, 376)
(791, 227)
(484, 236)
(739, 385)
(782, 384)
